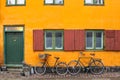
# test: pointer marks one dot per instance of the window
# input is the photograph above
(59, 2)
(15, 28)
(54, 40)
(15, 2)
(94, 39)
(94, 2)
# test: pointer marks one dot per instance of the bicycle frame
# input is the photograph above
(94, 65)
(47, 64)
(83, 65)
(55, 68)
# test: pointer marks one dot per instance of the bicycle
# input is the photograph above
(59, 67)
(95, 66)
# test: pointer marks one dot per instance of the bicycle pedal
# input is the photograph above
(83, 69)
(52, 70)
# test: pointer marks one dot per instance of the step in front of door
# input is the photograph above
(13, 68)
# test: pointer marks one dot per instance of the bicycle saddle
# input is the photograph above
(56, 57)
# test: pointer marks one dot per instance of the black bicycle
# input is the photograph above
(95, 66)
(60, 68)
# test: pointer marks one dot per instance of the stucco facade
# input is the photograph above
(73, 14)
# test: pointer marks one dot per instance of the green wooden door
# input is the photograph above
(13, 47)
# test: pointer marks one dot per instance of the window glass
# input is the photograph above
(49, 1)
(20, 1)
(58, 1)
(11, 2)
(48, 40)
(89, 39)
(20, 28)
(93, 1)
(54, 40)
(58, 40)
(101, 1)
(94, 40)
(97, 1)
(88, 1)
(98, 40)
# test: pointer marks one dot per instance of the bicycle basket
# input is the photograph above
(42, 56)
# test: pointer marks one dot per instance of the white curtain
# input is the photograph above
(11, 1)
(58, 1)
(89, 1)
(49, 1)
(20, 1)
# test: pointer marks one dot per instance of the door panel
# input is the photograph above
(14, 47)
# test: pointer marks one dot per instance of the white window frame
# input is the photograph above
(61, 40)
(94, 41)
(16, 2)
(101, 41)
(46, 43)
(53, 40)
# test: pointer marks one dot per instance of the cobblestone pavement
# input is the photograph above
(53, 76)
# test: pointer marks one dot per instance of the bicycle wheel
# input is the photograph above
(61, 68)
(40, 69)
(96, 67)
(74, 67)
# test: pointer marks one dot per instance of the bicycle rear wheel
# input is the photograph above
(61, 68)
(40, 68)
(96, 67)
(74, 67)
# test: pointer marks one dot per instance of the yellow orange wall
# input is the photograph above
(73, 15)
(1, 46)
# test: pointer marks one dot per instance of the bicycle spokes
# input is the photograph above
(97, 67)
(74, 67)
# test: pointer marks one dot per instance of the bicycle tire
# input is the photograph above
(40, 69)
(74, 67)
(61, 68)
(96, 67)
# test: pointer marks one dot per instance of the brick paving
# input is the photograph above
(53, 76)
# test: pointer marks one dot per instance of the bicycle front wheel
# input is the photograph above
(61, 68)
(74, 67)
(40, 68)
(96, 67)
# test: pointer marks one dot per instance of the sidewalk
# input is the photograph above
(52, 76)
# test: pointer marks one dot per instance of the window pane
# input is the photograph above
(99, 40)
(89, 1)
(58, 1)
(48, 40)
(89, 40)
(98, 1)
(49, 1)
(14, 28)
(11, 2)
(20, 1)
(58, 40)
(101, 1)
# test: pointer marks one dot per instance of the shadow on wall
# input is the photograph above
(1, 49)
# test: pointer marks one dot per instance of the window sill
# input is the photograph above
(94, 4)
(94, 49)
(15, 5)
(54, 4)
(53, 49)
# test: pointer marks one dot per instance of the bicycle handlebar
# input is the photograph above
(44, 56)
(92, 54)
(48, 54)
(81, 53)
